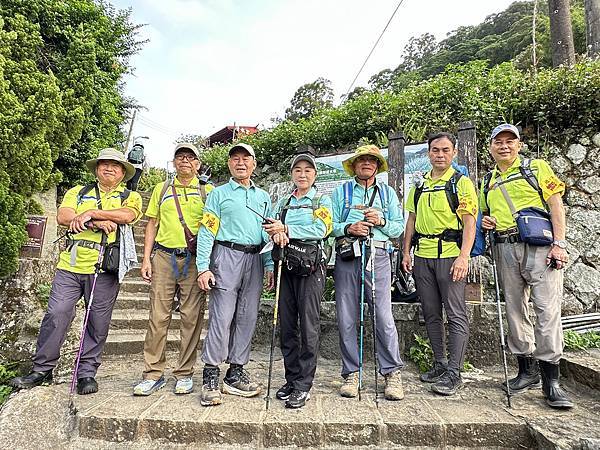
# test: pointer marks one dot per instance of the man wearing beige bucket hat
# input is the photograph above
(366, 215)
(92, 213)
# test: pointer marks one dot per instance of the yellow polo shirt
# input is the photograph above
(170, 231)
(434, 214)
(522, 194)
(88, 257)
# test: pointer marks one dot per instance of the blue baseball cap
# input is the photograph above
(505, 127)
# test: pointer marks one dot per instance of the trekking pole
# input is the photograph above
(500, 321)
(374, 316)
(363, 262)
(275, 308)
(87, 315)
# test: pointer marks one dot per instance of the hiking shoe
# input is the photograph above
(285, 391)
(448, 383)
(237, 382)
(350, 387)
(210, 395)
(434, 374)
(528, 376)
(86, 385)
(147, 387)
(297, 399)
(393, 386)
(556, 397)
(184, 385)
(32, 380)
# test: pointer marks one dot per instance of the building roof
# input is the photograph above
(231, 132)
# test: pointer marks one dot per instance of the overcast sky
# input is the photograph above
(212, 63)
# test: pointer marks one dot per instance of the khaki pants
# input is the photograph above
(520, 267)
(191, 310)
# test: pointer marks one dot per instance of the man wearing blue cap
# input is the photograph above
(529, 269)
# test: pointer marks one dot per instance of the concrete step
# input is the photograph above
(477, 417)
(137, 319)
(131, 342)
(135, 285)
(128, 300)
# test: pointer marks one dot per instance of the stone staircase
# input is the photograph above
(130, 315)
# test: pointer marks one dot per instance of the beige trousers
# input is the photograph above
(521, 271)
(191, 310)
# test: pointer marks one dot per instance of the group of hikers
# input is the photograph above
(229, 241)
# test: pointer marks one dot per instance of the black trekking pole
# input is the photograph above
(500, 321)
(275, 309)
(374, 318)
(87, 316)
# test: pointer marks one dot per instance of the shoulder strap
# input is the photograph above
(417, 196)
(124, 195)
(163, 191)
(84, 190)
(487, 178)
(178, 206)
(451, 189)
(202, 189)
(347, 200)
(529, 176)
(384, 197)
(284, 210)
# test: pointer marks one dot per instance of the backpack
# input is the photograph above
(525, 174)
(383, 197)
(136, 154)
(88, 187)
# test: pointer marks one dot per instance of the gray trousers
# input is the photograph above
(232, 311)
(67, 289)
(520, 267)
(347, 275)
(436, 289)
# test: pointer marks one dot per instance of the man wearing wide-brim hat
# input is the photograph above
(89, 212)
(364, 208)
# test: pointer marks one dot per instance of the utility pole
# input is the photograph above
(561, 33)
(592, 26)
(129, 134)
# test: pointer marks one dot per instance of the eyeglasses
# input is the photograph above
(186, 157)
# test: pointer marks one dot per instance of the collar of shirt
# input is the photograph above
(445, 177)
(194, 183)
(118, 188)
(235, 185)
(515, 165)
(310, 194)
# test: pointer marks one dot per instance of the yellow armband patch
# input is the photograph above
(211, 222)
(324, 215)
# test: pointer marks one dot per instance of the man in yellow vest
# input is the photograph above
(90, 212)
(441, 226)
(528, 272)
(170, 265)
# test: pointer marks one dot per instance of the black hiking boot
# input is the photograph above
(285, 391)
(435, 373)
(86, 386)
(32, 380)
(237, 382)
(556, 397)
(528, 376)
(210, 395)
(297, 399)
(448, 384)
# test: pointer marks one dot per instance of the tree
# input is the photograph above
(197, 139)
(561, 33)
(418, 51)
(592, 20)
(309, 98)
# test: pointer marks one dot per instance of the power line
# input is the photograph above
(374, 46)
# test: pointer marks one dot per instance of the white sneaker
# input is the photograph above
(147, 387)
(184, 385)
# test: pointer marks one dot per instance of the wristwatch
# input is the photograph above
(560, 244)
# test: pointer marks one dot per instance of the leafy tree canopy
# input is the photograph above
(310, 98)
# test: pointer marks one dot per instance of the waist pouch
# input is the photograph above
(535, 227)
(345, 247)
(191, 240)
(299, 258)
(110, 260)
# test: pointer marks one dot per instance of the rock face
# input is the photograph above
(24, 424)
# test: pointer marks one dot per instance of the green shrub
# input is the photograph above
(584, 341)
(6, 373)
(422, 355)
(42, 291)
(151, 178)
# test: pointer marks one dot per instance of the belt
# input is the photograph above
(510, 236)
(381, 244)
(240, 247)
(178, 252)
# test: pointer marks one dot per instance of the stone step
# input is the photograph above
(135, 285)
(131, 342)
(137, 319)
(128, 300)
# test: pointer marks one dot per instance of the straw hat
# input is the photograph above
(365, 150)
(112, 154)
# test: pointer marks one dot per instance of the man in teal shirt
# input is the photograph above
(231, 268)
(362, 208)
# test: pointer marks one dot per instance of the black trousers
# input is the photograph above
(299, 325)
(132, 184)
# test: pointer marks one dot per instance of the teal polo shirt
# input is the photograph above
(302, 221)
(394, 225)
(226, 218)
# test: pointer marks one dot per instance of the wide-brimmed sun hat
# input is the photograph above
(111, 154)
(365, 150)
